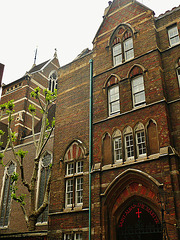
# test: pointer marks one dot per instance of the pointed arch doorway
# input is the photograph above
(139, 222)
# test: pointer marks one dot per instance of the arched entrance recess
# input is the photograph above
(131, 207)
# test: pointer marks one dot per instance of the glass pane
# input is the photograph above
(141, 146)
(117, 59)
(129, 146)
(70, 168)
(117, 50)
(79, 167)
(46, 160)
(139, 98)
(115, 107)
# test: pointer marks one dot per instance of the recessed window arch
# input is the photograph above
(117, 146)
(43, 175)
(140, 139)
(106, 149)
(121, 42)
(128, 143)
(74, 159)
(52, 81)
(6, 194)
(152, 137)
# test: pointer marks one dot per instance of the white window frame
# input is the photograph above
(73, 236)
(128, 49)
(137, 90)
(129, 146)
(140, 145)
(117, 149)
(8, 199)
(117, 54)
(173, 34)
(69, 192)
(79, 191)
(72, 187)
(41, 167)
(113, 99)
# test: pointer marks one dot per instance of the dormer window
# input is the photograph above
(52, 81)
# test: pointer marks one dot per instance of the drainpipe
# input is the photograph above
(90, 140)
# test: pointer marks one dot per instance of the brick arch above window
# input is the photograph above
(136, 70)
(120, 31)
(111, 80)
(76, 150)
(139, 126)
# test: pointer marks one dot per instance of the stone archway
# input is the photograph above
(139, 221)
(130, 191)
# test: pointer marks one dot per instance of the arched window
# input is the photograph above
(74, 159)
(129, 143)
(52, 81)
(6, 195)
(111, 86)
(121, 42)
(44, 171)
(117, 146)
(140, 140)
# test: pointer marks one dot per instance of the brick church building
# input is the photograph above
(12, 221)
(136, 131)
(117, 176)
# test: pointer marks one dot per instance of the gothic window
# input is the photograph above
(113, 99)
(6, 195)
(121, 42)
(52, 81)
(117, 146)
(140, 140)
(138, 91)
(173, 35)
(74, 159)
(129, 143)
(44, 171)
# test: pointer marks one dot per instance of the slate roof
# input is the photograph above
(38, 67)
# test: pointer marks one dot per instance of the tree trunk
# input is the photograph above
(32, 223)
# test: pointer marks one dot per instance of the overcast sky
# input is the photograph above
(67, 25)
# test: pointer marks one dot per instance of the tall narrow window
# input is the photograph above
(117, 54)
(138, 91)
(52, 81)
(74, 183)
(128, 49)
(140, 143)
(44, 171)
(129, 143)
(74, 160)
(6, 195)
(173, 35)
(117, 144)
(114, 101)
